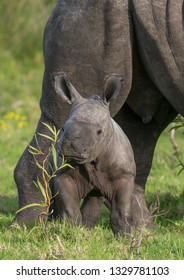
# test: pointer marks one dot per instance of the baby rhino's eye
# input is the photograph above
(99, 131)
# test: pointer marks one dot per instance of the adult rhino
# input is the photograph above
(89, 39)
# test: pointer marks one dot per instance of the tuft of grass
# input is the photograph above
(65, 242)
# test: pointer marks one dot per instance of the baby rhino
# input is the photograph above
(102, 157)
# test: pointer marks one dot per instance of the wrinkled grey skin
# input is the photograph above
(101, 155)
(88, 39)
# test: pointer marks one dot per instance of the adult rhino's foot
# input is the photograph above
(139, 212)
(30, 216)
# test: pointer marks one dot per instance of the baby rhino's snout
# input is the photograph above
(74, 144)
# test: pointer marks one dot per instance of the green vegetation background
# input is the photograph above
(21, 60)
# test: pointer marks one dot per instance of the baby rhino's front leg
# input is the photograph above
(66, 198)
(120, 206)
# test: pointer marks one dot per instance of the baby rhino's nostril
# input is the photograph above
(84, 153)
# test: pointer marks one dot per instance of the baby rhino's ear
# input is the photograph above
(65, 89)
(112, 87)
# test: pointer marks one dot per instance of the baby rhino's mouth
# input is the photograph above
(74, 157)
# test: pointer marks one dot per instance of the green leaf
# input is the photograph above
(35, 151)
(42, 168)
(54, 155)
(57, 134)
(65, 165)
(33, 148)
(63, 159)
(49, 127)
(53, 130)
(40, 186)
(52, 176)
(46, 136)
(29, 206)
(51, 167)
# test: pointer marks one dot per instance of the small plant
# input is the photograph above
(42, 183)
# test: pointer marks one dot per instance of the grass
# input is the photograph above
(20, 88)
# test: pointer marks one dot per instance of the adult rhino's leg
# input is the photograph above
(143, 138)
(54, 113)
(26, 173)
